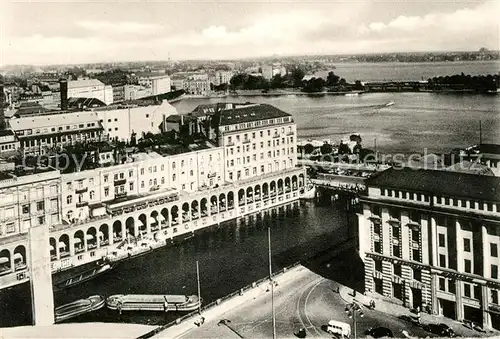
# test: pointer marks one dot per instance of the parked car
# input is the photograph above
(379, 332)
(440, 329)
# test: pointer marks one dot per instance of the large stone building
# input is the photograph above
(39, 132)
(258, 139)
(158, 84)
(431, 239)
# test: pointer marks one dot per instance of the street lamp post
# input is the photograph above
(352, 310)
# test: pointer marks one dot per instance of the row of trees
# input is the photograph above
(293, 79)
(461, 81)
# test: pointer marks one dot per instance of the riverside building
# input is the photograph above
(431, 239)
(156, 195)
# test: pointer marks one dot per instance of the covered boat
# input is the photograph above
(153, 302)
(79, 307)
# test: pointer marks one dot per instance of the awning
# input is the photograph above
(89, 237)
(18, 256)
(77, 241)
(4, 260)
(52, 247)
(63, 244)
(101, 234)
(152, 220)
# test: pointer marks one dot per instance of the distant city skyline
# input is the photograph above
(41, 33)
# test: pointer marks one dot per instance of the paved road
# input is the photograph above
(309, 301)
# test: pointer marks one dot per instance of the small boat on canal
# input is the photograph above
(81, 276)
(152, 302)
(79, 307)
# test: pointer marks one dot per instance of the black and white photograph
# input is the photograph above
(236, 169)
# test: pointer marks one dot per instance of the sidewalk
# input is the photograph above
(395, 310)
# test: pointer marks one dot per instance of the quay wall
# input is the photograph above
(146, 220)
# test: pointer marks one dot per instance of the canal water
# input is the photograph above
(230, 257)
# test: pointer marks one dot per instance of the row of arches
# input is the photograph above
(138, 225)
(12, 261)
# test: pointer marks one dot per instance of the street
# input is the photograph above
(309, 301)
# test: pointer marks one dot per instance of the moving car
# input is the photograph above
(379, 332)
(439, 329)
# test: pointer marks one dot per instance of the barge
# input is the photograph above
(79, 307)
(153, 302)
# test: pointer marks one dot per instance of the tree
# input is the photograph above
(308, 148)
(358, 86)
(314, 85)
(344, 149)
(326, 149)
(332, 79)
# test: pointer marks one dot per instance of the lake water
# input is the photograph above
(396, 71)
(417, 121)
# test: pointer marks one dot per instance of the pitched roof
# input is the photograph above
(444, 183)
(250, 112)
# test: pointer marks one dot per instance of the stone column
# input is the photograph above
(42, 296)
(459, 247)
(486, 252)
(435, 303)
(459, 307)
(405, 236)
(484, 306)
(434, 243)
(425, 241)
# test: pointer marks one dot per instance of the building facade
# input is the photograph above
(258, 139)
(90, 88)
(429, 242)
(158, 84)
(37, 133)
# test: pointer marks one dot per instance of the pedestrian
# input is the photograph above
(354, 293)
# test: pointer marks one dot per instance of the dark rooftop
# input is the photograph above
(30, 108)
(5, 132)
(250, 113)
(489, 148)
(446, 183)
(85, 102)
(179, 149)
(177, 118)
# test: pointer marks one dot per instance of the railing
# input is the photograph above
(81, 190)
(217, 302)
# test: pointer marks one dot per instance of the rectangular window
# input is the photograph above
(442, 284)
(442, 240)
(415, 234)
(451, 286)
(396, 251)
(377, 247)
(40, 206)
(41, 220)
(378, 265)
(493, 250)
(494, 297)
(442, 260)
(467, 290)
(494, 271)
(417, 274)
(467, 266)
(26, 209)
(416, 255)
(466, 245)
(395, 232)
(397, 270)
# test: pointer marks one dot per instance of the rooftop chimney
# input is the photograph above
(2, 116)
(63, 88)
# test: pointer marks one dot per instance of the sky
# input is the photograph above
(72, 32)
